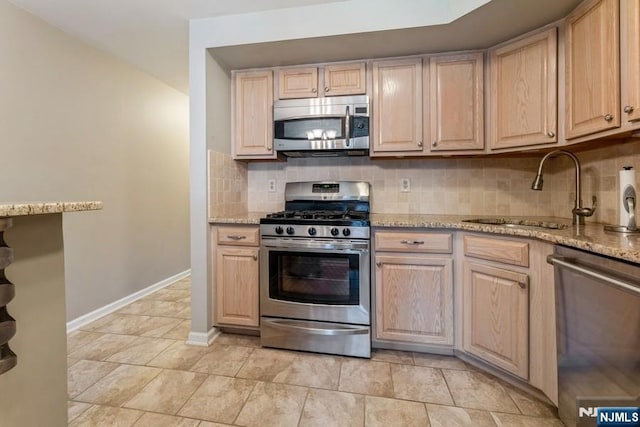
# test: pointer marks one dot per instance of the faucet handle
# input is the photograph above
(587, 211)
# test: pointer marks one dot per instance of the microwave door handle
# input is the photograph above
(347, 128)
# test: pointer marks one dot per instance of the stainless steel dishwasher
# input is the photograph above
(598, 333)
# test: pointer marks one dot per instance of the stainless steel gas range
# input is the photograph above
(315, 270)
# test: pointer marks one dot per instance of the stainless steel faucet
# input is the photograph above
(579, 213)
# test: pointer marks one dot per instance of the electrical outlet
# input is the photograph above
(405, 185)
(272, 185)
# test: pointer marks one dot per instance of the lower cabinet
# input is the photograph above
(414, 288)
(414, 297)
(236, 277)
(496, 316)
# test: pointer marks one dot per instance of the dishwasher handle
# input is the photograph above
(565, 262)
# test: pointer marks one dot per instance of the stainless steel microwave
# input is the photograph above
(322, 127)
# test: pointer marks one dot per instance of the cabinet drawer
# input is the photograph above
(414, 242)
(506, 251)
(239, 236)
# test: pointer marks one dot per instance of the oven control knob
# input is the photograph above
(335, 231)
(290, 230)
(346, 232)
(279, 230)
(312, 231)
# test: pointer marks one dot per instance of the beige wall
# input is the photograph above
(78, 124)
(465, 186)
(34, 392)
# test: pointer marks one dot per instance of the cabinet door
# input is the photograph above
(253, 115)
(456, 102)
(397, 107)
(298, 83)
(496, 316)
(592, 68)
(345, 79)
(237, 291)
(414, 299)
(524, 92)
(630, 20)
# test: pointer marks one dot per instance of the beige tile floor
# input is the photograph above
(132, 368)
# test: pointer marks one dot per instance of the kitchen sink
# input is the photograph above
(510, 222)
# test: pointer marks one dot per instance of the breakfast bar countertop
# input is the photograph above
(9, 209)
(590, 237)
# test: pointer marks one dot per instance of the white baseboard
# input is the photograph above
(116, 305)
(203, 339)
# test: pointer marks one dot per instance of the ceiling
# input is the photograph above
(156, 39)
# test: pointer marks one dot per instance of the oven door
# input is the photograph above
(315, 279)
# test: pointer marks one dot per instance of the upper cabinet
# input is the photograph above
(298, 83)
(440, 101)
(523, 95)
(338, 79)
(345, 79)
(456, 102)
(397, 107)
(592, 60)
(630, 48)
(252, 118)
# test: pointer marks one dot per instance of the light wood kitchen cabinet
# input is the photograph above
(592, 61)
(298, 82)
(496, 316)
(414, 297)
(523, 96)
(414, 288)
(345, 79)
(397, 107)
(252, 118)
(337, 79)
(455, 102)
(236, 277)
(630, 50)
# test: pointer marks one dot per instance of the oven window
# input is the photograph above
(317, 278)
(310, 129)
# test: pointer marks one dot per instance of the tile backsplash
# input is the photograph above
(227, 184)
(465, 186)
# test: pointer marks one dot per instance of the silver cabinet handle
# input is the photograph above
(420, 144)
(592, 273)
(412, 242)
(236, 237)
(628, 109)
(608, 117)
(551, 134)
(314, 90)
(434, 143)
(327, 89)
(269, 147)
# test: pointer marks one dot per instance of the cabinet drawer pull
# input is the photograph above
(434, 143)
(551, 134)
(628, 109)
(255, 257)
(420, 144)
(608, 117)
(326, 89)
(412, 242)
(314, 90)
(524, 283)
(236, 237)
(378, 264)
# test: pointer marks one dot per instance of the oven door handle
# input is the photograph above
(292, 326)
(351, 246)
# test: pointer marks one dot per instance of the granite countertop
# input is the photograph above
(590, 237)
(39, 208)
